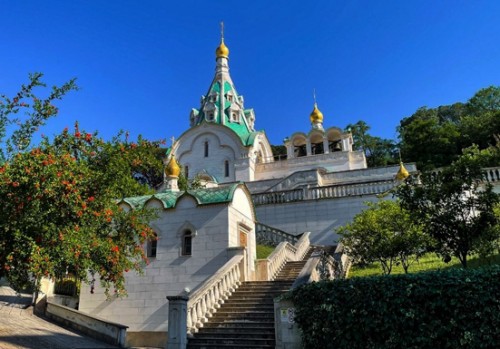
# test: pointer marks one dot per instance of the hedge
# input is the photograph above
(445, 309)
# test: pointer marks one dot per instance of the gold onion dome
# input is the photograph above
(173, 169)
(402, 173)
(316, 116)
(222, 51)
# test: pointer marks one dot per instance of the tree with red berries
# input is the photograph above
(58, 208)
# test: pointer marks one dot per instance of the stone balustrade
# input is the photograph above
(267, 235)
(326, 192)
(286, 252)
(207, 298)
(492, 174)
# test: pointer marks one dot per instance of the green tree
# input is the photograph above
(58, 208)
(429, 138)
(435, 137)
(384, 233)
(58, 212)
(378, 151)
(455, 206)
(485, 100)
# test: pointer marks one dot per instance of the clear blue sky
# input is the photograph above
(142, 65)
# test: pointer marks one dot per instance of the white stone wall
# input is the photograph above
(146, 308)
(320, 217)
(338, 161)
(241, 214)
(223, 145)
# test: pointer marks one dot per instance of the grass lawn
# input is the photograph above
(428, 262)
(263, 251)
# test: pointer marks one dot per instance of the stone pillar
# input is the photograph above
(235, 251)
(288, 335)
(326, 145)
(177, 322)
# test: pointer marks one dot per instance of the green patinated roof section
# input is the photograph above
(203, 196)
(168, 199)
(206, 196)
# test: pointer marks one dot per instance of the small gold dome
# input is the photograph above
(222, 51)
(402, 173)
(173, 169)
(316, 116)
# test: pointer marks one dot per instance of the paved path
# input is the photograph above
(20, 329)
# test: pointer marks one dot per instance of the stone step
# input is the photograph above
(254, 330)
(227, 346)
(246, 318)
(249, 316)
(230, 340)
(248, 307)
(237, 324)
(227, 333)
(248, 300)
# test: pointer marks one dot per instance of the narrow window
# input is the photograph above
(186, 171)
(206, 149)
(152, 246)
(226, 168)
(187, 240)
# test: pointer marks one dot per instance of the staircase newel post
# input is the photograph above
(177, 322)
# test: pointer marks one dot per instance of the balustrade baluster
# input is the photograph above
(189, 321)
(218, 296)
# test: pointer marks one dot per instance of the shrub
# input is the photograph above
(444, 309)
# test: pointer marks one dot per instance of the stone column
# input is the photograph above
(177, 322)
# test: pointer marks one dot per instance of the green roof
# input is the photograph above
(203, 196)
(241, 128)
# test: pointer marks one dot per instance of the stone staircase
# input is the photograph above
(246, 319)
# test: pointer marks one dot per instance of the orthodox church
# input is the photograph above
(303, 190)
(248, 195)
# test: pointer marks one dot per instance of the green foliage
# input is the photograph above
(385, 233)
(452, 309)
(58, 208)
(279, 151)
(429, 138)
(455, 207)
(22, 115)
(378, 151)
(435, 137)
(263, 251)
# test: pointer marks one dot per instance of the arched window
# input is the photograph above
(226, 168)
(152, 245)
(206, 149)
(186, 171)
(187, 243)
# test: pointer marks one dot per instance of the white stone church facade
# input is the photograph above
(249, 192)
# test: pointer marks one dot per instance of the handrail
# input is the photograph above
(287, 252)
(208, 297)
(268, 235)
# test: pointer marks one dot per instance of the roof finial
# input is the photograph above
(222, 51)
(403, 172)
(316, 116)
(222, 31)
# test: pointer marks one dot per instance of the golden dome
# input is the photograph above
(316, 116)
(402, 173)
(222, 51)
(173, 169)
